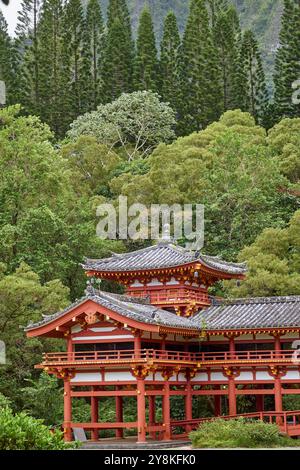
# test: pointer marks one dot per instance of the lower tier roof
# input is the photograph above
(239, 314)
(261, 312)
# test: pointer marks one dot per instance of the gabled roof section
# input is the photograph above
(261, 312)
(128, 307)
(162, 255)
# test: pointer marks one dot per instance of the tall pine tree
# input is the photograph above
(287, 64)
(256, 96)
(226, 36)
(94, 50)
(117, 65)
(146, 62)
(27, 43)
(169, 61)
(73, 26)
(201, 96)
(53, 84)
(5, 58)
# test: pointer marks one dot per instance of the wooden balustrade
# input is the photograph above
(175, 356)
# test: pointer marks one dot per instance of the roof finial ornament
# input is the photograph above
(165, 234)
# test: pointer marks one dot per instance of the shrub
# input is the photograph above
(22, 432)
(239, 433)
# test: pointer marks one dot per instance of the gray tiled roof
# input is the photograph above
(265, 312)
(162, 255)
(126, 306)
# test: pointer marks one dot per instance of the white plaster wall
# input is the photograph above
(200, 377)
(86, 377)
(263, 375)
(119, 376)
(218, 376)
(245, 376)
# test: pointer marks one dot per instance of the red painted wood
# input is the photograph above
(141, 410)
(67, 410)
(166, 413)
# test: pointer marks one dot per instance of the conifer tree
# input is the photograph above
(226, 36)
(5, 57)
(93, 49)
(201, 96)
(169, 61)
(53, 86)
(117, 68)
(73, 26)
(256, 96)
(287, 64)
(146, 63)
(28, 45)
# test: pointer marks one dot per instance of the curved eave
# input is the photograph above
(60, 326)
(252, 331)
(197, 265)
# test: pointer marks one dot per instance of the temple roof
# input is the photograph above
(261, 312)
(162, 255)
(252, 313)
(128, 307)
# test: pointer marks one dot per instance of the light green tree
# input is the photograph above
(136, 123)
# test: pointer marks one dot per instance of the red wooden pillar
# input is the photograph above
(67, 409)
(189, 404)
(152, 419)
(119, 416)
(94, 416)
(137, 345)
(278, 394)
(166, 413)
(232, 346)
(277, 345)
(141, 410)
(218, 404)
(259, 399)
(231, 396)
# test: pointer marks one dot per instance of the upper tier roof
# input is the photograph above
(162, 255)
(260, 312)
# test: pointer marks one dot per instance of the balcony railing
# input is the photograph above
(172, 296)
(165, 356)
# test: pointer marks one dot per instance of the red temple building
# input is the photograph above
(167, 337)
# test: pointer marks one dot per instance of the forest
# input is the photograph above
(95, 111)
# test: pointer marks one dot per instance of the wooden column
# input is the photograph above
(218, 403)
(69, 347)
(152, 419)
(94, 416)
(259, 399)
(119, 416)
(231, 396)
(232, 346)
(189, 404)
(67, 409)
(141, 410)
(137, 345)
(277, 344)
(166, 413)
(278, 394)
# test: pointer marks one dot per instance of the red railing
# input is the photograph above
(174, 296)
(287, 421)
(151, 354)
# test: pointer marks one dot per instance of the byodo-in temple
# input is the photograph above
(167, 337)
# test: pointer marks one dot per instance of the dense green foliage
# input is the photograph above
(67, 61)
(239, 433)
(22, 432)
